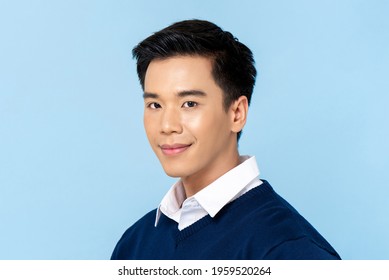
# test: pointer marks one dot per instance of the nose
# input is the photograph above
(170, 121)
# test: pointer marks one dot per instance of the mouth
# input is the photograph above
(175, 149)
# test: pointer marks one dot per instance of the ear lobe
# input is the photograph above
(239, 110)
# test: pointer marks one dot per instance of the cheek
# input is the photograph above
(193, 122)
(198, 125)
(205, 124)
(149, 126)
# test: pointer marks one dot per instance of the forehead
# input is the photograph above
(179, 73)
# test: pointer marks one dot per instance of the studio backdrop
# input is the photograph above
(76, 168)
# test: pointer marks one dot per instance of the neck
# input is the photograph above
(196, 182)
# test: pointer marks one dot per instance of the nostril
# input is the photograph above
(170, 123)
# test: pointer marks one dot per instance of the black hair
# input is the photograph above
(232, 62)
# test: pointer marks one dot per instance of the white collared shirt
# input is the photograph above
(212, 198)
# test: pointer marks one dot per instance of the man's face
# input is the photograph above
(184, 118)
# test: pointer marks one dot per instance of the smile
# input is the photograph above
(175, 149)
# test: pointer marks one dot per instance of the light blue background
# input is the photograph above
(75, 166)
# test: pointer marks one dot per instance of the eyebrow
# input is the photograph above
(186, 93)
(180, 94)
(150, 95)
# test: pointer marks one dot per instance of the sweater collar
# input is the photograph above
(215, 196)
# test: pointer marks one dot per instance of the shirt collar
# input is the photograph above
(214, 196)
(172, 202)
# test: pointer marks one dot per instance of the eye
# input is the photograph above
(189, 104)
(154, 105)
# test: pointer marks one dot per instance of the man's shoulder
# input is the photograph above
(270, 220)
(132, 237)
(144, 223)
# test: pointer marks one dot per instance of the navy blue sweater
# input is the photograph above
(258, 225)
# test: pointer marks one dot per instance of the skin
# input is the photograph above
(188, 128)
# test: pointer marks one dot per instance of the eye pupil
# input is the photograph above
(190, 104)
(154, 105)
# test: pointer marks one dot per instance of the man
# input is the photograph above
(197, 81)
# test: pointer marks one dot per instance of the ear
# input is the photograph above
(239, 109)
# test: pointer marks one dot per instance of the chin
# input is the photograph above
(175, 171)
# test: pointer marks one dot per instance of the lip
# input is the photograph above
(175, 149)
